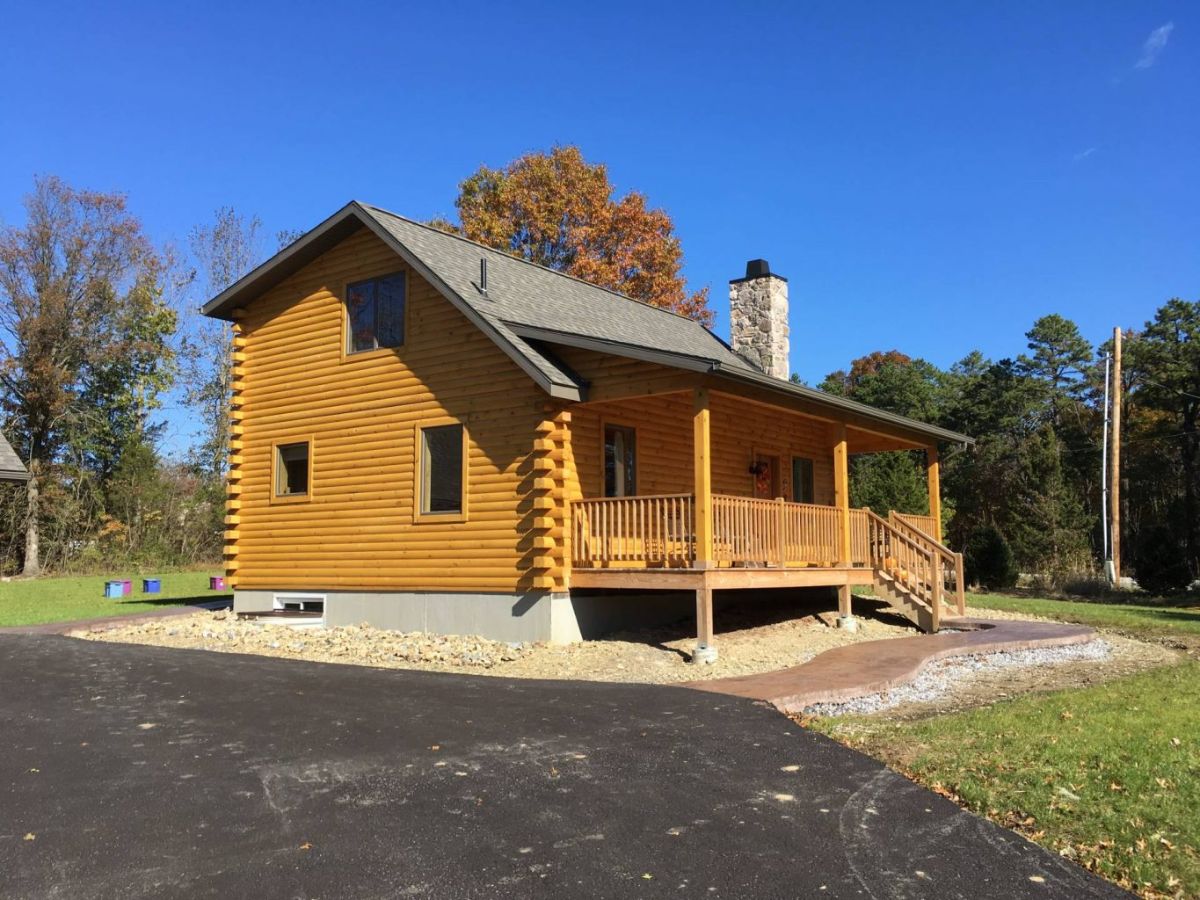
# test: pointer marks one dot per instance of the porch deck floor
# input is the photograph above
(872, 666)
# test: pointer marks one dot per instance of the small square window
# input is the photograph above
(291, 469)
(375, 313)
(441, 469)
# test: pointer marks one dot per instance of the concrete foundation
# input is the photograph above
(500, 617)
(536, 616)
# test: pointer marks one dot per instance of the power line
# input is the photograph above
(1161, 437)
(1171, 389)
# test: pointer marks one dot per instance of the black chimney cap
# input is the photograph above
(758, 268)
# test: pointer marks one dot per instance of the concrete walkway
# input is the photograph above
(873, 666)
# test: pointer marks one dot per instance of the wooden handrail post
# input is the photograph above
(841, 491)
(935, 587)
(933, 478)
(702, 478)
(781, 529)
(959, 585)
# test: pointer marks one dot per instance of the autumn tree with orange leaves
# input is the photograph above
(558, 210)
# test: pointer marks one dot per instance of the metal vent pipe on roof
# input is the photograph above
(483, 275)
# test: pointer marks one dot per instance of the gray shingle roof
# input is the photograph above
(521, 293)
(11, 467)
(528, 307)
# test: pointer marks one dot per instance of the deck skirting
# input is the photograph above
(720, 579)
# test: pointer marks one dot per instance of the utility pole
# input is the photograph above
(1104, 530)
(1115, 473)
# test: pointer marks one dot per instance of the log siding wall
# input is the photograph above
(357, 529)
(664, 433)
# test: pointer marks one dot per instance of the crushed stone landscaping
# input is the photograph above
(754, 640)
(943, 676)
(748, 645)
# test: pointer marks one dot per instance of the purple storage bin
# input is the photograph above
(126, 587)
(216, 583)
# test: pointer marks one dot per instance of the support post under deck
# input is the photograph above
(706, 650)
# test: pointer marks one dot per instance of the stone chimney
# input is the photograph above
(758, 319)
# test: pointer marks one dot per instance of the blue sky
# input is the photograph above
(930, 177)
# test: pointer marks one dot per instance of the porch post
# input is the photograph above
(841, 492)
(841, 497)
(706, 650)
(933, 477)
(702, 477)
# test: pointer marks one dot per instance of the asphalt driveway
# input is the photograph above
(142, 772)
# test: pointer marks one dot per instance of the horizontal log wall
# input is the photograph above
(357, 530)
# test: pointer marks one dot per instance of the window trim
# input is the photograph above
(792, 475)
(605, 424)
(419, 516)
(307, 496)
(344, 301)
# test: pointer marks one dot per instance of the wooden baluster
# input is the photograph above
(780, 551)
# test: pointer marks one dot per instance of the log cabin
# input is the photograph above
(431, 435)
(11, 467)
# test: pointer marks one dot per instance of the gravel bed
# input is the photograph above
(944, 676)
(753, 639)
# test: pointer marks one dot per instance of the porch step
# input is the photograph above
(905, 599)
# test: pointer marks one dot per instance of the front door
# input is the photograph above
(766, 477)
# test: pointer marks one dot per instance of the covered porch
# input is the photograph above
(704, 540)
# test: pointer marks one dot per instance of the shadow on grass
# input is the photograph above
(138, 603)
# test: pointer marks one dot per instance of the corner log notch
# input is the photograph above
(547, 560)
(233, 477)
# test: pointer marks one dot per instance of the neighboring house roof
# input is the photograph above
(11, 467)
(528, 306)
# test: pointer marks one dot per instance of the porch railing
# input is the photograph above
(911, 562)
(660, 531)
(923, 524)
(630, 531)
(949, 565)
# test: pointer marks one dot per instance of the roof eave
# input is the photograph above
(879, 415)
(291, 258)
(333, 230)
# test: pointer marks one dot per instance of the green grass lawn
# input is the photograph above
(41, 600)
(1108, 775)
(1119, 616)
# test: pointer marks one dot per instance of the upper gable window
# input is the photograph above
(375, 311)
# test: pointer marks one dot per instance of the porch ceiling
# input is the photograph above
(859, 439)
(676, 372)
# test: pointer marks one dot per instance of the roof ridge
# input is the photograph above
(599, 287)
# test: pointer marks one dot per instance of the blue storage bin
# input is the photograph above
(114, 589)
(151, 586)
